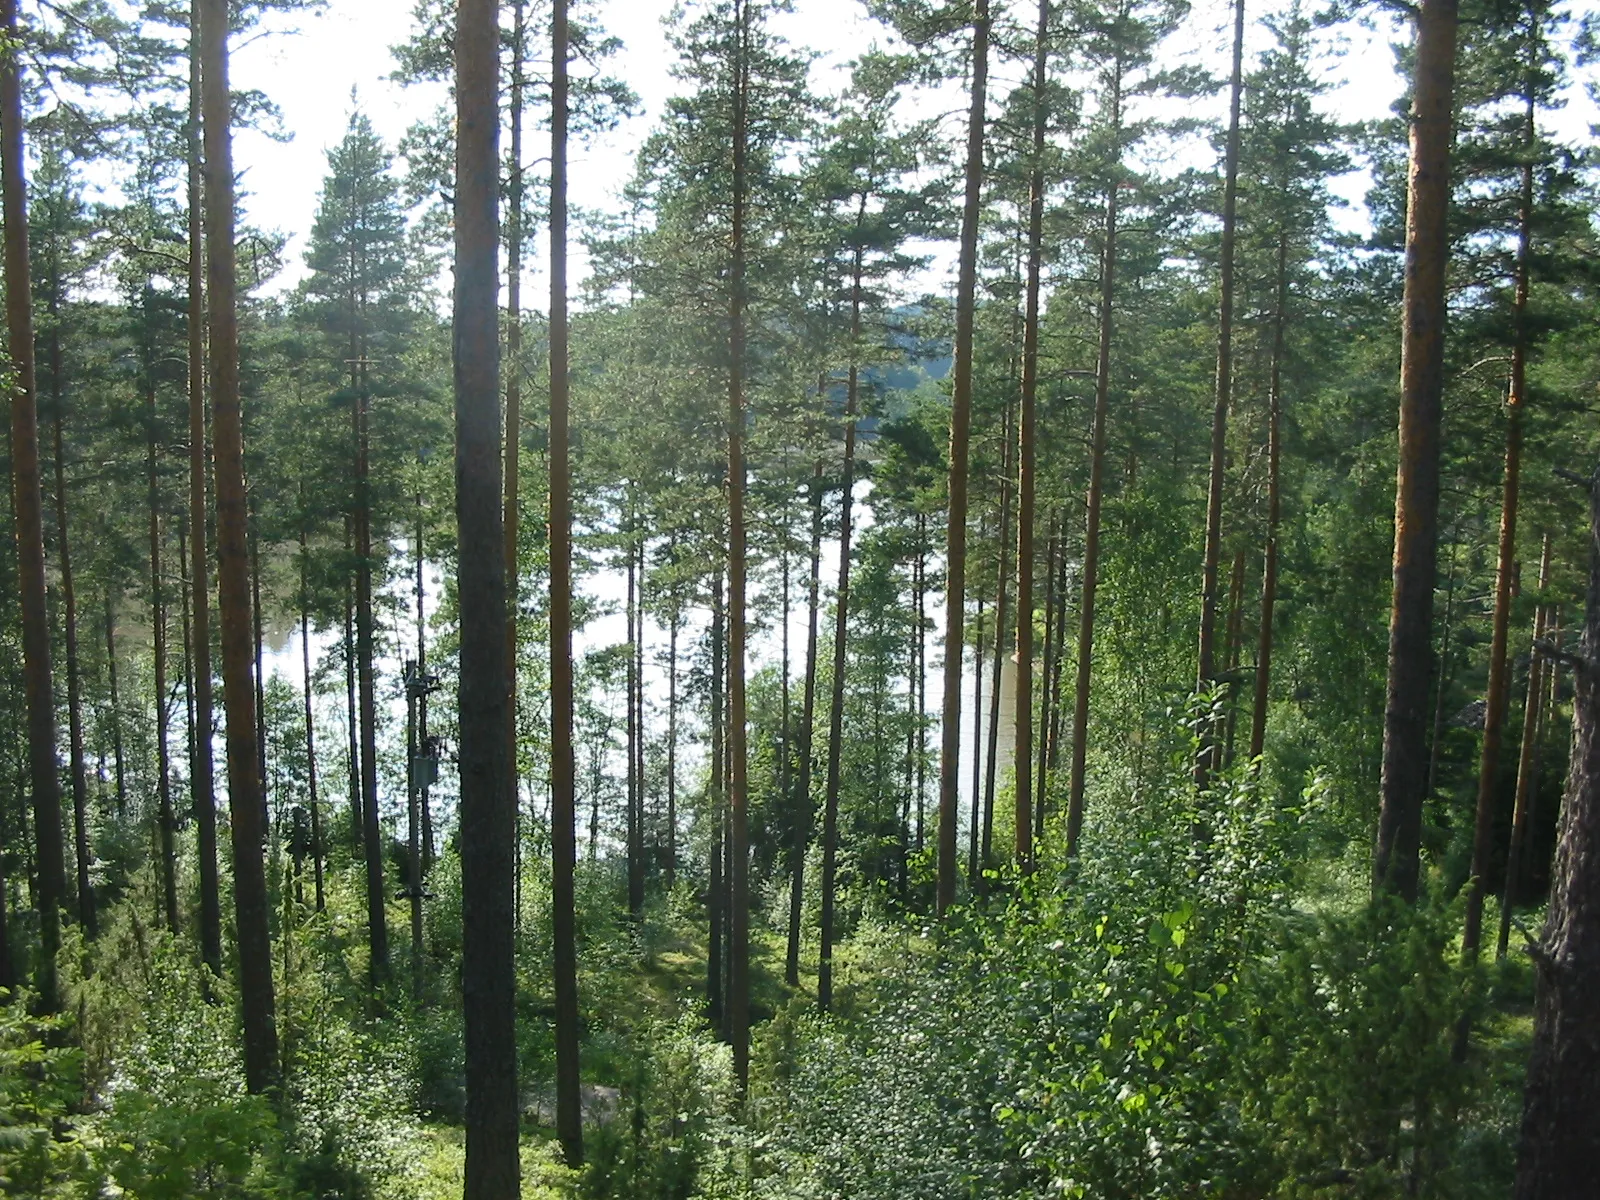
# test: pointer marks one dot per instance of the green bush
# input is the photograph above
(672, 1133)
(40, 1080)
(1163, 1018)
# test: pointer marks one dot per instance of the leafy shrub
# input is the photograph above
(1160, 1019)
(40, 1080)
(670, 1135)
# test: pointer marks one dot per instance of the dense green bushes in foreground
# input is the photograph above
(1191, 1011)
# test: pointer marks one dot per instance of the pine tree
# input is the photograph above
(1286, 156)
(28, 507)
(488, 814)
(202, 769)
(1121, 44)
(359, 297)
(563, 781)
(250, 902)
(1223, 396)
(1396, 856)
(867, 212)
(1517, 196)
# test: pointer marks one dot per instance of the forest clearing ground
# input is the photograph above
(440, 1172)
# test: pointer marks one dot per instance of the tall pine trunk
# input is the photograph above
(638, 720)
(1230, 656)
(513, 450)
(670, 850)
(1002, 618)
(202, 769)
(167, 833)
(53, 289)
(808, 712)
(488, 810)
(1527, 760)
(1026, 433)
(635, 734)
(919, 682)
(1269, 567)
(841, 626)
(351, 723)
(1560, 1141)
(28, 505)
(259, 676)
(371, 830)
(955, 592)
(1206, 673)
(1395, 864)
(563, 768)
(311, 737)
(118, 762)
(1097, 466)
(233, 565)
(416, 780)
(80, 786)
(715, 897)
(1053, 750)
(1494, 715)
(1047, 696)
(738, 793)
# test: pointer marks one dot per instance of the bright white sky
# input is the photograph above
(310, 75)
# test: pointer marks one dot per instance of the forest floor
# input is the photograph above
(665, 978)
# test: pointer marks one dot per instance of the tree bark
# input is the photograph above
(1499, 681)
(371, 829)
(670, 862)
(635, 780)
(718, 722)
(1053, 751)
(1230, 656)
(28, 505)
(738, 844)
(311, 738)
(202, 770)
(960, 431)
(1047, 696)
(1399, 839)
(258, 649)
(351, 722)
(1269, 566)
(841, 628)
(233, 564)
(1207, 759)
(488, 816)
(80, 787)
(785, 748)
(118, 761)
(982, 819)
(1097, 462)
(417, 800)
(1527, 760)
(921, 618)
(413, 890)
(1560, 1141)
(1002, 615)
(638, 719)
(166, 834)
(802, 799)
(513, 450)
(8, 968)
(1026, 434)
(563, 768)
